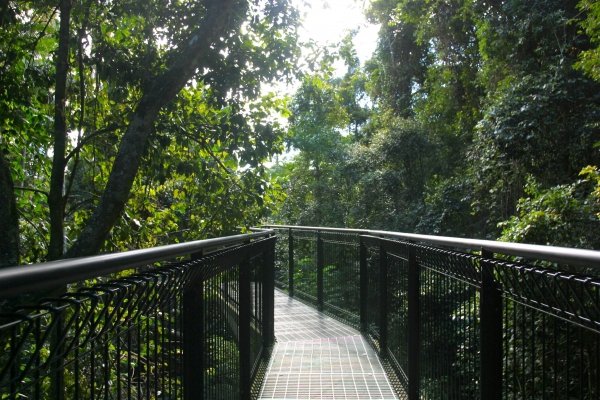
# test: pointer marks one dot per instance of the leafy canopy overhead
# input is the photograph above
(477, 119)
(160, 130)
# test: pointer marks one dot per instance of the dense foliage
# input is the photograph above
(134, 123)
(478, 118)
(128, 124)
(475, 118)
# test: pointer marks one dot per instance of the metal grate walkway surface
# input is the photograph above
(317, 357)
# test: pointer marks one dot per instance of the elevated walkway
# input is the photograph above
(198, 320)
(317, 357)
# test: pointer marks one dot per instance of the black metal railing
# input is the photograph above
(187, 321)
(456, 318)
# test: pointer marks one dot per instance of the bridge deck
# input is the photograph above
(317, 357)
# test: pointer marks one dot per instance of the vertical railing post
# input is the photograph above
(268, 294)
(491, 331)
(244, 329)
(320, 266)
(364, 285)
(383, 301)
(193, 337)
(290, 262)
(57, 349)
(414, 324)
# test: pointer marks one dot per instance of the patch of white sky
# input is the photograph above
(326, 23)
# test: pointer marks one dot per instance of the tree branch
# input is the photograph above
(41, 236)
(42, 33)
(28, 189)
(87, 138)
(221, 18)
(229, 172)
(81, 72)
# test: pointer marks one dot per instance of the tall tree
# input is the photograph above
(147, 82)
(400, 61)
(472, 100)
(57, 180)
(221, 19)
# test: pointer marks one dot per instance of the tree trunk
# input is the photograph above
(57, 179)
(9, 220)
(4, 12)
(220, 19)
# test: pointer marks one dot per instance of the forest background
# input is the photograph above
(130, 124)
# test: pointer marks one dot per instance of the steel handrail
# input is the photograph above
(49, 275)
(561, 255)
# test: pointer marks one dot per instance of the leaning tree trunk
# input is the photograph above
(9, 219)
(220, 19)
(57, 180)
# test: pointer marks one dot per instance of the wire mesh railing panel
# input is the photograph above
(118, 339)
(463, 324)
(305, 266)
(192, 327)
(397, 279)
(551, 333)
(256, 322)
(221, 321)
(282, 260)
(341, 276)
(449, 309)
(373, 307)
